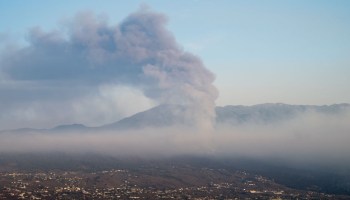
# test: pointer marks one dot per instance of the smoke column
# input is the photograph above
(139, 52)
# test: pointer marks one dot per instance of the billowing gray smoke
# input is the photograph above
(139, 52)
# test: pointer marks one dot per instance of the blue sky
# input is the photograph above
(295, 52)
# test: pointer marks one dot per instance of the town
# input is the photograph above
(123, 184)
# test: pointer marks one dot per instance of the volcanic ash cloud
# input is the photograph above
(139, 52)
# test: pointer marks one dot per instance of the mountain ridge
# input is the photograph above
(172, 115)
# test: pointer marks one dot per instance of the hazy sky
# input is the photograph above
(295, 52)
(261, 51)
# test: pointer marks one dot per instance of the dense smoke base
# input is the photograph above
(139, 52)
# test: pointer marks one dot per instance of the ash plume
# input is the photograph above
(139, 52)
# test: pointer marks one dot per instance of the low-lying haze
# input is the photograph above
(308, 138)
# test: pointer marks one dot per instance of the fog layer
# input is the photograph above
(307, 138)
